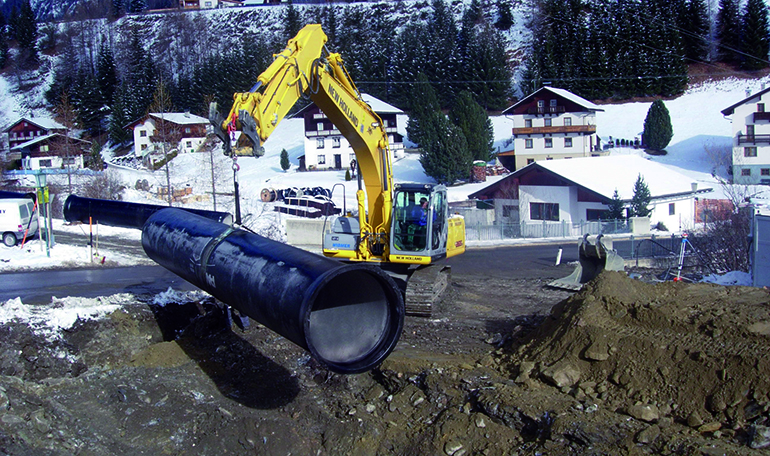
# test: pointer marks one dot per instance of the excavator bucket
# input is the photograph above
(595, 255)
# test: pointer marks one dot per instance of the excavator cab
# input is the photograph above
(418, 223)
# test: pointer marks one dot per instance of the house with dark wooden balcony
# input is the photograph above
(326, 148)
(552, 124)
(751, 138)
(28, 128)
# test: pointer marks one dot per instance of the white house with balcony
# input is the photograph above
(155, 128)
(552, 124)
(326, 148)
(751, 138)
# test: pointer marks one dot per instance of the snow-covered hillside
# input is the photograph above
(700, 131)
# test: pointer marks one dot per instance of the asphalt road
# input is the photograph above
(520, 261)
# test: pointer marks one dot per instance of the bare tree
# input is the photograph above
(168, 134)
(107, 185)
(725, 235)
(65, 146)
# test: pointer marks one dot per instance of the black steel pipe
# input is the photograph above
(122, 213)
(349, 316)
(6, 195)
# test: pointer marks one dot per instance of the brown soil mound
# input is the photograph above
(698, 352)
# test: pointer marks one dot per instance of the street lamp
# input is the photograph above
(42, 199)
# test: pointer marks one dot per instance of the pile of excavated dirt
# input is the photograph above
(696, 354)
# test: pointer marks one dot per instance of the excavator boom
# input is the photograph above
(306, 67)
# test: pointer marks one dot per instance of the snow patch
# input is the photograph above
(62, 313)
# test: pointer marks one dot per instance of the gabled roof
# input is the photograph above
(377, 105)
(730, 110)
(603, 175)
(558, 92)
(180, 118)
(42, 122)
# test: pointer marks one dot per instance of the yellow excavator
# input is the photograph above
(404, 228)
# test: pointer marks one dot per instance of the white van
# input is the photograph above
(16, 216)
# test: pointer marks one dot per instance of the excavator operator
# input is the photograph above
(418, 216)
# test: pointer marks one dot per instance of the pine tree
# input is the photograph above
(408, 60)
(615, 208)
(119, 118)
(504, 15)
(13, 22)
(64, 75)
(3, 42)
(139, 77)
(117, 9)
(87, 102)
(424, 104)
(486, 69)
(441, 66)
(106, 74)
(728, 28)
(285, 163)
(26, 36)
(755, 36)
(641, 198)
(291, 21)
(694, 24)
(446, 157)
(657, 127)
(475, 125)
(136, 6)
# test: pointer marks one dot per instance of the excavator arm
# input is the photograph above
(306, 67)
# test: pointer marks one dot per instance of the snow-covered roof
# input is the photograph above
(42, 122)
(380, 106)
(605, 174)
(377, 105)
(729, 111)
(562, 93)
(32, 141)
(180, 118)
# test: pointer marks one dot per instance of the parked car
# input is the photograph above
(17, 217)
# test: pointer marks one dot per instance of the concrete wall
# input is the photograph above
(306, 232)
(683, 217)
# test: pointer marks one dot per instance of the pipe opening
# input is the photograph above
(352, 320)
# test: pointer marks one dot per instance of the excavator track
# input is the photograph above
(424, 289)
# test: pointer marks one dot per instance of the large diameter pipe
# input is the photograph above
(349, 316)
(122, 213)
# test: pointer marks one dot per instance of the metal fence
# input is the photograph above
(544, 230)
